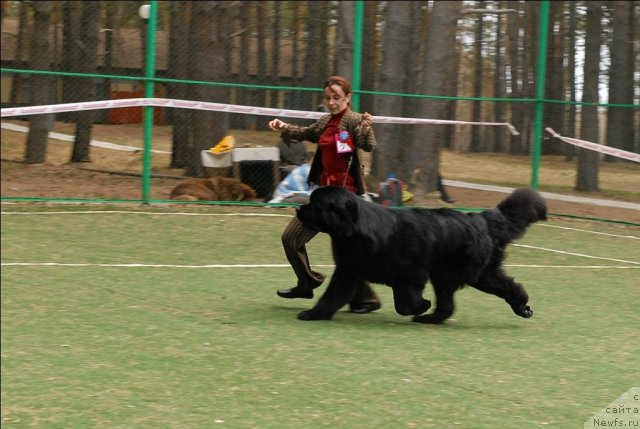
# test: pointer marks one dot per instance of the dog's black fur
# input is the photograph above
(404, 248)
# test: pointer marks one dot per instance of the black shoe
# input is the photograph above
(365, 307)
(295, 292)
(448, 199)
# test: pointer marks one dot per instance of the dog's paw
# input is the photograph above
(424, 306)
(428, 318)
(313, 315)
(523, 311)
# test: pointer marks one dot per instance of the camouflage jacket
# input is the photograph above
(349, 122)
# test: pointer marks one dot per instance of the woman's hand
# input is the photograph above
(278, 125)
(366, 122)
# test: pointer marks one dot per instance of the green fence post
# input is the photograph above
(357, 54)
(150, 69)
(542, 64)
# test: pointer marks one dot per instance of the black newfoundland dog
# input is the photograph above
(404, 248)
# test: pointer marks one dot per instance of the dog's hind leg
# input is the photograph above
(497, 283)
(340, 291)
(444, 303)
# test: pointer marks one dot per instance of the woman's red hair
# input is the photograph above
(340, 81)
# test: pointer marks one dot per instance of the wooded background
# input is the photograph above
(477, 51)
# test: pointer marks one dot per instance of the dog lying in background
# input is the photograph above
(213, 189)
(406, 248)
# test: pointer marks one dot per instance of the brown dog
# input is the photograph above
(214, 189)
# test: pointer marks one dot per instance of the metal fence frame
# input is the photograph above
(150, 79)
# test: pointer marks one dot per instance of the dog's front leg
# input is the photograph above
(408, 299)
(340, 290)
(499, 284)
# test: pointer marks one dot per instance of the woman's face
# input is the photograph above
(335, 100)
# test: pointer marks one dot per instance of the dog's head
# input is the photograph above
(330, 209)
(524, 204)
(247, 192)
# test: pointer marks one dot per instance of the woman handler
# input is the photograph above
(339, 134)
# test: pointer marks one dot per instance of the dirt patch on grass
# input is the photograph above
(58, 179)
(72, 181)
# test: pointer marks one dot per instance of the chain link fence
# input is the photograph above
(272, 54)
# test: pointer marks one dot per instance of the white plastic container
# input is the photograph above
(216, 160)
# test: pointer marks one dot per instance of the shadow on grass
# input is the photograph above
(383, 320)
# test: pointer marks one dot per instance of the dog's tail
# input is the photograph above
(522, 208)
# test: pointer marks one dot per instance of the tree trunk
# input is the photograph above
(634, 53)
(370, 55)
(620, 119)
(40, 125)
(570, 124)
(311, 76)
(70, 55)
(440, 59)
(476, 115)
(88, 56)
(396, 42)
(252, 94)
(344, 41)
(245, 25)
(104, 91)
(179, 23)
(23, 31)
(516, 77)
(207, 63)
(554, 82)
(296, 99)
(261, 95)
(3, 11)
(276, 76)
(316, 65)
(417, 47)
(588, 160)
(530, 67)
(499, 87)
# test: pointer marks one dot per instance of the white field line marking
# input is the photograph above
(150, 213)
(58, 264)
(570, 266)
(257, 215)
(575, 254)
(589, 232)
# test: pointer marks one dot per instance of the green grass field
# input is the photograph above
(167, 317)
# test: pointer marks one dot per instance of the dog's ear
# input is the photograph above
(345, 220)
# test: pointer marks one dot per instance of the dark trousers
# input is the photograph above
(294, 239)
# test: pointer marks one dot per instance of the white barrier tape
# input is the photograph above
(596, 147)
(73, 107)
(220, 107)
(394, 120)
